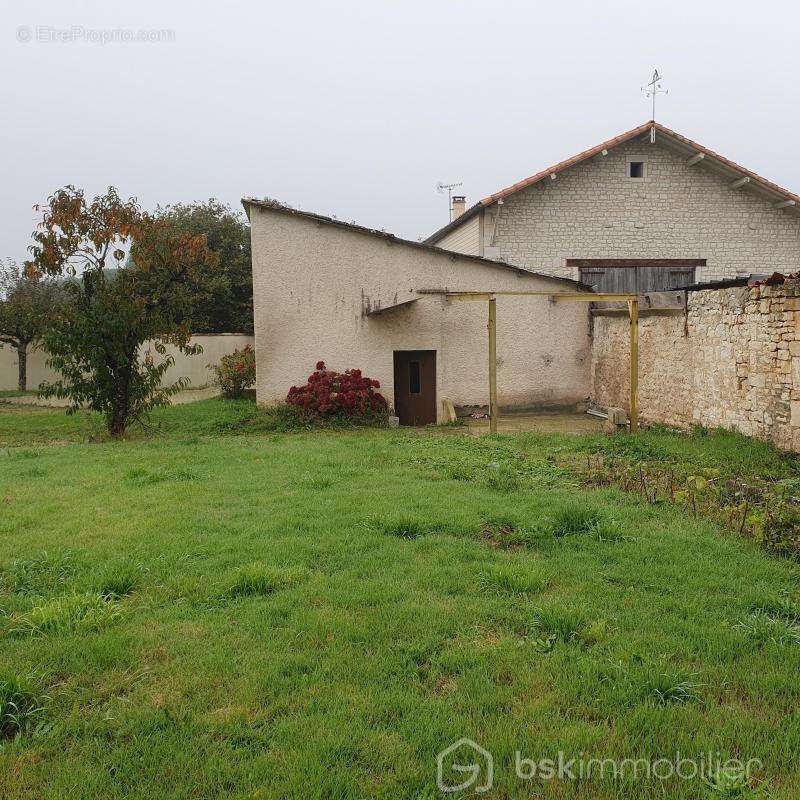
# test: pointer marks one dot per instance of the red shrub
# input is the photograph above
(339, 394)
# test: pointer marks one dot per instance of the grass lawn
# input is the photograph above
(318, 614)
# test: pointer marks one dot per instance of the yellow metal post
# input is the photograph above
(492, 365)
(633, 308)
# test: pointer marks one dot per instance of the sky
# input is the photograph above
(357, 109)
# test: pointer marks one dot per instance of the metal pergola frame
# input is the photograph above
(577, 297)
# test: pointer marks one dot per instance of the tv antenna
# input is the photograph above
(653, 89)
(448, 187)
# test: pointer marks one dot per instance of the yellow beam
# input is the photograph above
(633, 309)
(468, 296)
(492, 365)
(581, 297)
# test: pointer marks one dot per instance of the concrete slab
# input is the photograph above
(539, 421)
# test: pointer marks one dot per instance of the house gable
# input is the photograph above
(688, 203)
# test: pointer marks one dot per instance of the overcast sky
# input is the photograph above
(358, 108)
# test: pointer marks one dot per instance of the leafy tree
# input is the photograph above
(27, 304)
(96, 338)
(229, 308)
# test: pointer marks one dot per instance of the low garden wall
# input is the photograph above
(194, 368)
(732, 360)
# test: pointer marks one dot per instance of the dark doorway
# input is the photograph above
(415, 386)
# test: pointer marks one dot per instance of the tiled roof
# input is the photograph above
(608, 145)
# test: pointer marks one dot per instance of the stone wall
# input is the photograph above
(594, 210)
(733, 360)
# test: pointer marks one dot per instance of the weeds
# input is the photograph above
(258, 580)
(762, 627)
(145, 477)
(404, 528)
(21, 703)
(575, 518)
(75, 612)
(673, 686)
(755, 508)
(38, 574)
(511, 579)
(118, 581)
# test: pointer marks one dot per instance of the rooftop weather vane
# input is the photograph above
(654, 88)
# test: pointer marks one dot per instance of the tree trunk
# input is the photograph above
(22, 357)
(118, 420)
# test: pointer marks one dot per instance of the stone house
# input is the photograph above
(648, 210)
(359, 298)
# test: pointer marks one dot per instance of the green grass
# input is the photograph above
(220, 609)
(20, 703)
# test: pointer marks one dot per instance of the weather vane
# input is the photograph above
(654, 88)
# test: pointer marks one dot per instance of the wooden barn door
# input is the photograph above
(415, 386)
(636, 276)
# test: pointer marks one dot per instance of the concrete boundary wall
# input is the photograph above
(732, 361)
(195, 368)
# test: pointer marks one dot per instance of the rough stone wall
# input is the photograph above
(595, 211)
(733, 361)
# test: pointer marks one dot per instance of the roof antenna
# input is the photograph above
(448, 187)
(652, 90)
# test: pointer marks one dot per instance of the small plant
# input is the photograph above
(606, 530)
(731, 784)
(564, 624)
(118, 581)
(509, 579)
(404, 529)
(346, 395)
(503, 535)
(762, 627)
(235, 372)
(21, 703)
(75, 612)
(260, 579)
(145, 477)
(502, 477)
(575, 518)
(663, 688)
(38, 574)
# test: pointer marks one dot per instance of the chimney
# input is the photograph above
(459, 205)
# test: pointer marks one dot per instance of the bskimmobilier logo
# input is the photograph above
(461, 758)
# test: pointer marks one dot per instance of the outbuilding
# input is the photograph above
(353, 297)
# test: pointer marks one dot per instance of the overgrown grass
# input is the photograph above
(73, 612)
(21, 703)
(222, 611)
(262, 579)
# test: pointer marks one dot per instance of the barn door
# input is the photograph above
(623, 276)
(415, 386)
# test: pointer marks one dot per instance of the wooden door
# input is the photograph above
(637, 277)
(415, 386)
